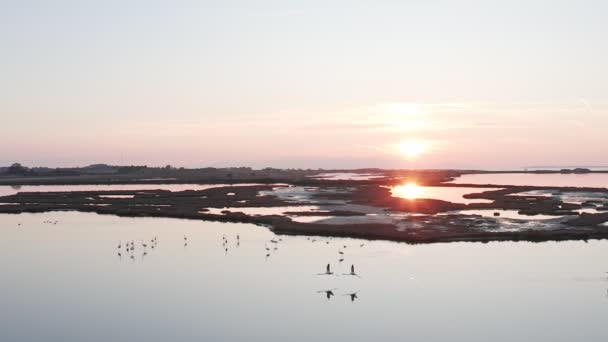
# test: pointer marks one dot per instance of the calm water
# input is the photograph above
(6, 190)
(444, 193)
(65, 282)
(348, 176)
(595, 180)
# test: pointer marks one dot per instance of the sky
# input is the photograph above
(305, 84)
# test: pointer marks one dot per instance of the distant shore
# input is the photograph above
(144, 175)
(429, 220)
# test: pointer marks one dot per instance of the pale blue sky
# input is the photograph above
(304, 83)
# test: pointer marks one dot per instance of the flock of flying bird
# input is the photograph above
(330, 293)
(128, 248)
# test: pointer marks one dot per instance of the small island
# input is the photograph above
(322, 202)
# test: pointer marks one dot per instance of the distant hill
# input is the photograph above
(99, 169)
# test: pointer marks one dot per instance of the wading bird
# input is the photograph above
(352, 271)
(327, 270)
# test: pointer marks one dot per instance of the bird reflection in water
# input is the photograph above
(328, 293)
(352, 296)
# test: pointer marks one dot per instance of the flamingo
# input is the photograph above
(352, 272)
(327, 270)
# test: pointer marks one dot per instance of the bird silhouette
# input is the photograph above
(327, 270)
(352, 272)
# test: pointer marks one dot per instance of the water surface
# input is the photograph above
(6, 190)
(593, 180)
(444, 193)
(347, 176)
(62, 280)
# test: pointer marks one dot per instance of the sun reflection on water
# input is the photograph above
(408, 191)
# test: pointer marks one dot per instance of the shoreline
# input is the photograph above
(432, 223)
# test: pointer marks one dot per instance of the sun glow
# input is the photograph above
(408, 191)
(412, 148)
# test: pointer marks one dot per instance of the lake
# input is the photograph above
(6, 190)
(62, 280)
(593, 180)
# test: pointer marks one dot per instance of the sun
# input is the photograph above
(412, 148)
